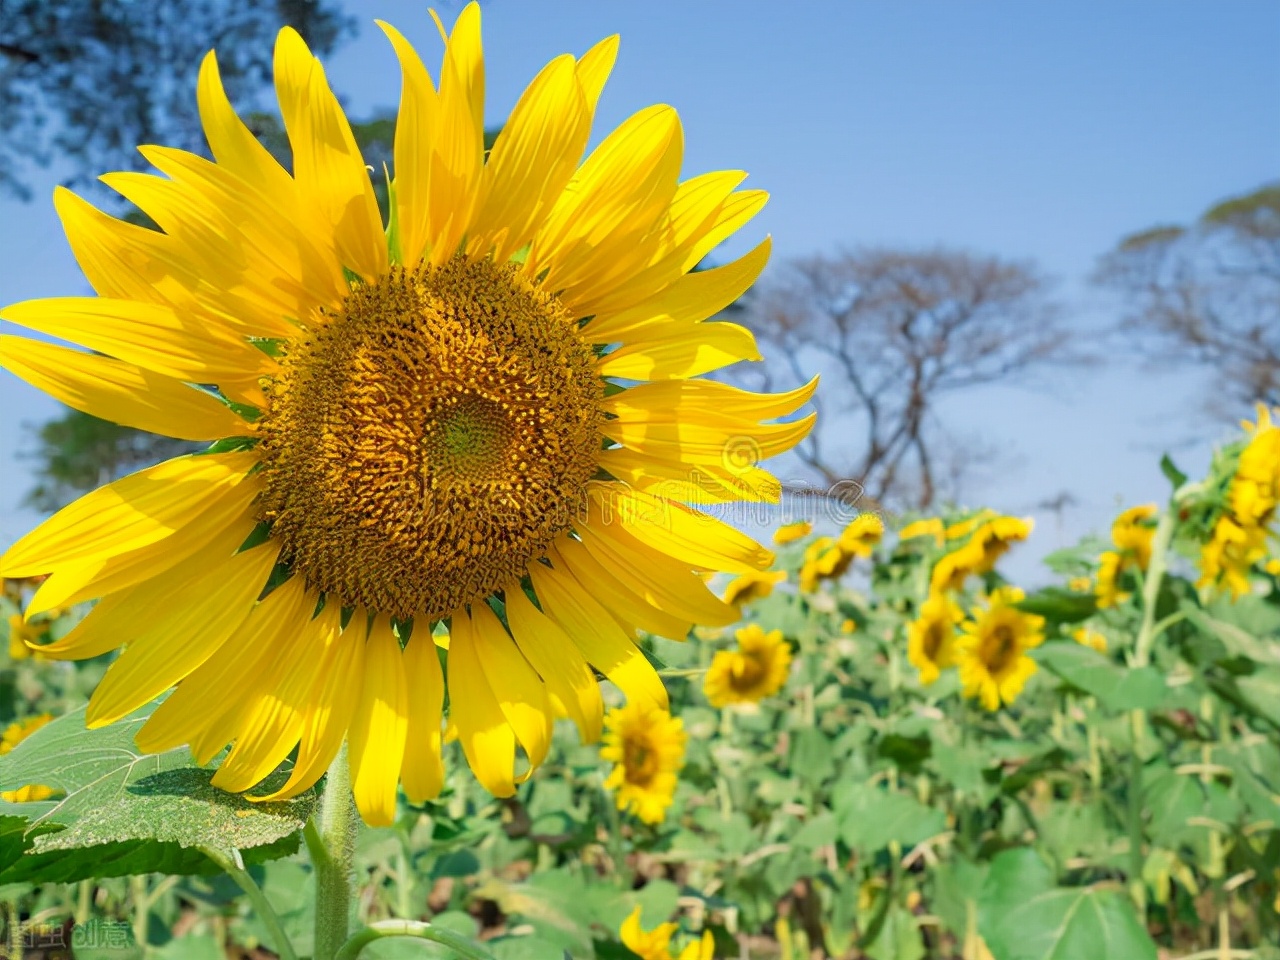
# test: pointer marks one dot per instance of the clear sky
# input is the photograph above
(1044, 130)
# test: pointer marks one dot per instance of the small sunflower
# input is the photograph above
(992, 540)
(1132, 532)
(479, 418)
(954, 568)
(757, 669)
(19, 730)
(646, 745)
(750, 587)
(931, 637)
(1255, 488)
(992, 652)
(823, 560)
(791, 532)
(1230, 554)
(655, 944)
(1092, 639)
(930, 527)
(862, 534)
(964, 528)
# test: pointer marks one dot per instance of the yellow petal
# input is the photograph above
(701, 484)
(416, 127)
(677, 401)
(697, 444)
(692, 298)
(328, 708)
(570, 683)
(177, 630)
(458, 150)
(266, 720)
(602, 642)
(679, 350)
(203, 696)
(531, 161)
(486, 737)
(628, 607)
(104, 574)
(516, 686)
(694, 538)
(153, 336)
(379, 727)
(327, 165)
(594, 68)
(134, 512)
(423, 772)
(120, 392)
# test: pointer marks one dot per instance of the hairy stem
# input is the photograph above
(331, 841)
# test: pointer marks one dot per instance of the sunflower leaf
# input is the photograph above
(118, 811)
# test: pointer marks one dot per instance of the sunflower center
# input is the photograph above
(748, 671)
(1002, 647)
(428, 440)
(640, 762)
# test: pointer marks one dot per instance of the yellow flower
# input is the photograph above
(931, 637)
(1272, 566)
(993, 539)
(647, 945)
(823, 560)
(757, 669)
(791, 532)
(1230, 554)
(19, 730)
(992, 653)
(862, 534)
(646, 745)
(656, 943)
(1132, 533)
(1080, 584)
(931, 527)
(1255, 489)
(31, 793)
(963, 528)
(848, 626)
(1107, 589)
(1090, 638)
(752, 586)
(954, 568)
(500, 392)
(20, 633)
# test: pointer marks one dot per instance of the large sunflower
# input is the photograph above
(479, 418)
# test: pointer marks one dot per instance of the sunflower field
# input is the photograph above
(438, 645)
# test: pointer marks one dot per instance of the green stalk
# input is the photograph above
(331, 841)
(233, 865)
(1138, 718)
(410, 928)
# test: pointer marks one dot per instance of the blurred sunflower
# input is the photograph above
(931, 637)
(861, 535)
(992, 540)
(655, 944)
(992, 651)
(435, 422)
(930, 527)
(1132, 533)
(1092, 639)
(646, 745)
(757, 669)
(21, 634)
(752, 586)
(791, 532)
(823, 560)
(19, 730)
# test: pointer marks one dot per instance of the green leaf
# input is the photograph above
(126, 812)
(1059, 605)
(871, 818)
(899, 937)
(1025, 916)
(1117, 687)
(1170, 470)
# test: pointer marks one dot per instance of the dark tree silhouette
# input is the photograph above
(83, 82)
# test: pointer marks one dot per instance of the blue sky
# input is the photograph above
(1045, 130)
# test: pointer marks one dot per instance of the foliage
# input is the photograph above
(87, 80)
(1124, 801)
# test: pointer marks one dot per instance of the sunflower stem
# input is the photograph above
(331, 841)
(233, 866)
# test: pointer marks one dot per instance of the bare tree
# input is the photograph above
(894, 332)
(1209, 294)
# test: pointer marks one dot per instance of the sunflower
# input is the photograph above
(1091, 639)
(992, 540)
(823, 560)
(791, 532)
(992, 651)
(19, 730)
(646, 745)
(954, 568)
(862, 534)
(750, 587)
(929, 527)
(1255, 488)
(655, 944)
(1132, 532)
(931, 637)
(1230, 554)
(21, 634)
(757, 669)
(476, 420)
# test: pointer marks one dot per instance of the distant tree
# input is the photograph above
(1209, 294)
(893, 333)
(83, 82)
